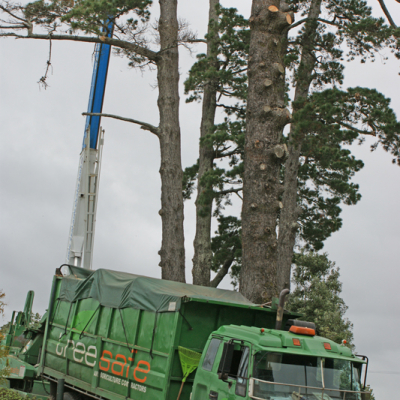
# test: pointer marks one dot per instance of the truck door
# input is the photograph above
(234, 383)
(207, 370)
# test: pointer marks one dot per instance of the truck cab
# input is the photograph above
(241, 362)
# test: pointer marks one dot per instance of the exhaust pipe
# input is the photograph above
(279, 312)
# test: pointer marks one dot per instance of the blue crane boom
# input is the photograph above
(97, 90)
(81, 233)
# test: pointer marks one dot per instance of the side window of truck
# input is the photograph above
(239, 368)
(243, 373)
(211, 353)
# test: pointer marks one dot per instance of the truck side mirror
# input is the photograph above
(226, 361)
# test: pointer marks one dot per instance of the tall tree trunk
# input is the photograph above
(172, 248)
(263, 152)
(290, 211)
(202, 242)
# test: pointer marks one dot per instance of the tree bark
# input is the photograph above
(263, 134)
(172, 248)
(290, 211)
(202, 242)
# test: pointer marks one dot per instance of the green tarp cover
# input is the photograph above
(122, 290)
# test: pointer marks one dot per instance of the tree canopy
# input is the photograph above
(319, 168)
(316, 295)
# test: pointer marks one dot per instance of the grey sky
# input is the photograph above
(41, 136)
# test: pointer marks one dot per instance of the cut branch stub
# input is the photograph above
(289, 19)
(294, 226)
(279, 151)
(273, 9)
(279, 68)
(267, 82)
(258, 144)
(263, 166)
(267, 109)
(282, 115)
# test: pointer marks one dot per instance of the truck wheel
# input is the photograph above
(71, 396)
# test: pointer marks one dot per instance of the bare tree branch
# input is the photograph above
(196, 40)
(325, 21)
(296, 24)
(238, 195)
(227, 191)
(143, 125)
(13, 15)
(221, 153)
(13, 26)
(151, 55)
(353, 128)
(386, 12)
(222, 272)
(228, 107)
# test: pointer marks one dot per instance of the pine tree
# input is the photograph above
(217, 77)
(266, 117)
(228, 138)
(316, 58)
(316, 296)
(318, 171)
(202, 241)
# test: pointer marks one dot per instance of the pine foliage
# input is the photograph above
(87, 16)
(316, 295)
(8, 394)
(227, 247)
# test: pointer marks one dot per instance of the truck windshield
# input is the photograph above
(278, 375)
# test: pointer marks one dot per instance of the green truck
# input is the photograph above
(116, 336)
(23, 343)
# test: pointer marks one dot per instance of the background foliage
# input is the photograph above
(316, 295)
(3, 351)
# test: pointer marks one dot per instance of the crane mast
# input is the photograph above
(83, 220)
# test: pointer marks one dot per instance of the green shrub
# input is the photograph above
(6, 394)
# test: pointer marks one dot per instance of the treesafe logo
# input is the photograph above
(117, 365)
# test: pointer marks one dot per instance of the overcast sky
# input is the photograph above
(41, 136)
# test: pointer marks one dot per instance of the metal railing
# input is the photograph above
(297, 391)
